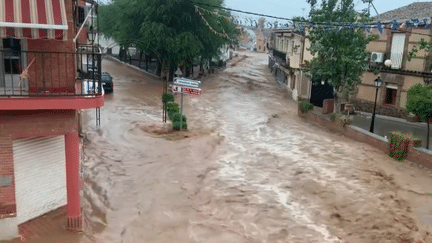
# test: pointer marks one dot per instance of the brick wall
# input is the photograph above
(21, 124)
(367, 106)
(414, 155)
(7, 186)
(57, 70)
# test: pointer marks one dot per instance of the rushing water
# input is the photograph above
(252, 171)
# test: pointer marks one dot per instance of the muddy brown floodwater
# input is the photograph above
(248, 170)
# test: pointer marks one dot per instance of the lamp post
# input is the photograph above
(91, 35)
(377, 84)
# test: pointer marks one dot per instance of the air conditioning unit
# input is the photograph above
(377, 57)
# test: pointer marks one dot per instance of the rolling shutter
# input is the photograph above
(397, 49)
(40, 176)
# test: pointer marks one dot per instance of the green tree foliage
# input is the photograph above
(421, 45)
(419, 102)
(172, 29)
(340, 54)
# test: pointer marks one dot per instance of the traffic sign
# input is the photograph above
(187, 83)
(185, 90)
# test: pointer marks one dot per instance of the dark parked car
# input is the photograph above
(107, 82)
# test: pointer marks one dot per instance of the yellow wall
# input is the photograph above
(403, 99)
(376, 47)
(416, 64)
(366, 93)
(417, 38)
(411, 81)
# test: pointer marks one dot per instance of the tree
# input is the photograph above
(419, 102)
(421, 45)
(172, 29)
(340, 54)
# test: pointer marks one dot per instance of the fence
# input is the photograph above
(30, 73)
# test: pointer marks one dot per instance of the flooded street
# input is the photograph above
(248, 170)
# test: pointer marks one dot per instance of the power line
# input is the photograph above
(315, 23)
(241, 11)
(264, 15)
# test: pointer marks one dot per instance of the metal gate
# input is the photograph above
(320, 92)
(40, 176)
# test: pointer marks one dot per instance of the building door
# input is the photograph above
(13, 61)
(390, 98)
(281, 77)
(321, 91)
(40, 176)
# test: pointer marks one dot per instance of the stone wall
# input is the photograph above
(416, 155)
(367, 106)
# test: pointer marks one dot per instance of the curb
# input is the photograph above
(132, 66)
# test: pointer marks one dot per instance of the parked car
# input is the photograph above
(107, 82)
(89, 70)
(91, 87)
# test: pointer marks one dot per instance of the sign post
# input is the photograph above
(185, 86)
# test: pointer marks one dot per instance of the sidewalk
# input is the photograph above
(385, 124)
(49, 228)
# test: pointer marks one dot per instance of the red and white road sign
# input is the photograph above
(186, 91)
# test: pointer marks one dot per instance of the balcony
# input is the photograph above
(50, 80)
(280, 57)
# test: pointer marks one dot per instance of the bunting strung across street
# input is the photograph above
(331, 27)
(223, 34)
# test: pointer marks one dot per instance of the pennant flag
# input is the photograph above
(427, 26)
(364, 27)
(407, 24)
(416, 22)
(379, 27)
(394, 24)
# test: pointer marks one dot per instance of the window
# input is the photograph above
(12, 54)
(79, 15)
(397, 49)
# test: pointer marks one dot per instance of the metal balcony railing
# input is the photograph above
(279, 55)
(29, 73)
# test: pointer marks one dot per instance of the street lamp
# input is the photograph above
(377, 84)
(91, 35)
(388, 63)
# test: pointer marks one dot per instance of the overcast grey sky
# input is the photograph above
(290, 8)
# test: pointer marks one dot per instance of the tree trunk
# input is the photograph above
(172, 69)
(428, 129)
(146, 62)
(159, 68)
(336, 101)
(122, 53)
(201, 68)
(140, 59)
(187, 64)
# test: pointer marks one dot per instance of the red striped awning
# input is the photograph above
(35, 19)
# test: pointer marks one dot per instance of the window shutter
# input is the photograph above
(397, 49)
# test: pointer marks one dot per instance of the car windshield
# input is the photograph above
(105, 78)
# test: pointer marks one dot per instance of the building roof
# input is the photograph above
(419, 10)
